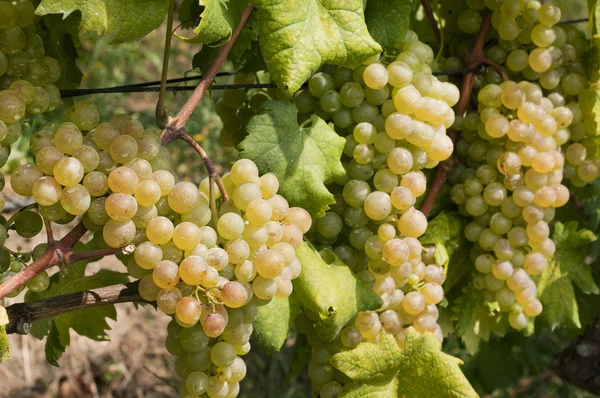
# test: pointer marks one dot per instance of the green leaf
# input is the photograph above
(388, 21)
(387, 388)
(90, 322)
(60, 41)
(369, 362)
(425, 371)
(4, 348)
(218, 21)
(274, 320)
(331, 290)
(125, 20)
(303, 158)
(473, 321)
(300, 358)
(566, 269)
(297, 37)
(445, 231)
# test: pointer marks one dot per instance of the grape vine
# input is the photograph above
(393, 192)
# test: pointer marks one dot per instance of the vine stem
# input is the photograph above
(432, 22)
(55, 254)
(161, 113)
(176, 127)
(21, 315)
(179, 121)
(210, 167)
(476, 59)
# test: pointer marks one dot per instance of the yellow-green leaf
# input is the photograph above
(297, 37)
(566, 269)
(4, 348)
(274, 321)
(388, 20)
(387, 388)
(218, 21)
(426, 371)
(125, 20)
(330, 290)
(369, 362)
(304, 159)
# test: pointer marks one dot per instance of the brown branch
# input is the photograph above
(477, 58)
(210, 168)
(73, 257)
(432, 22)
(160, 113)
(177, 124)
(498, 68)
(53, 256)
(21, 315)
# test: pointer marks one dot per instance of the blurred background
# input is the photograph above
(135, 363)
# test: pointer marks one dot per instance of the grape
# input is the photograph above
(375, 76)
(46, 191)
(183, 197)
(118, 233)
(159, 230)
(28, 224)
(68, 171)
(12, 106)
(121, 207)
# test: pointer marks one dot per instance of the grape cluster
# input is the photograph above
(26, 74)
(212, 280)
(532, 46)
(394, 114)
(525, 137)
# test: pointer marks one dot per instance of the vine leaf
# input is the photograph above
(297, 37)
(388, 21)
(369, 362)
(304, 159)
(274, 320)
(473, 321)
(566, 269)
(126, 20)
(387, 388)
(445, 231)
(330, 290)
(426, 371)
(4, 349)
(90, 322)
(217, 21)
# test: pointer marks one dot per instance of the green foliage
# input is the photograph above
(296, 38)
(445, 233)
(60, 41)
(90, 322)
(368, 362)
(217, 21)
(274, 321)
(125, 20)
(4, 349)
(566, 270)
(426, 371)
(473, 320)
(330, 290)
(303, 158)
(388, 21)
(421, 369)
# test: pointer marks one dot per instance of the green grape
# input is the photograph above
(28, 224)
(320, 83)
(12, 106)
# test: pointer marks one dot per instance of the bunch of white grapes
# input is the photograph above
(394, 116)
(26, 74)
(212, 280)
(532, 45)
(512, 188)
